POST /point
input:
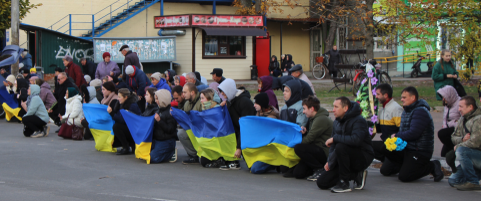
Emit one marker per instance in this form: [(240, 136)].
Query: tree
[(5, 12)]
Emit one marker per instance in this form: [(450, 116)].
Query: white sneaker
[(37, 134)]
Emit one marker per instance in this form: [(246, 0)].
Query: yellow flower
[(393, 147)]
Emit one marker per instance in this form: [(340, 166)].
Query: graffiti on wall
[(76, 54)]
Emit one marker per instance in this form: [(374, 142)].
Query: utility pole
[(15, 12)]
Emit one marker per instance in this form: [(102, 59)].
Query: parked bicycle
[(320, 70), (361, 74)]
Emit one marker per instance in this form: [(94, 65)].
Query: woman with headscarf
[(36, 119), (107, 68), (45, 93), (126, 101), (109, 92), (265, 85), (179, 80), (73, 108), (165, 131), (292, 110), (10, 84), (215, 87), (334, 59), (274, 67), (169, 76)]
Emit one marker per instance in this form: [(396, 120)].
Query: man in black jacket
[(239, 105), (59, 94), (88, 67), (350, 150), (417, 130)]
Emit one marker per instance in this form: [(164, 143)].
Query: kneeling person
[(350, 149), (312, 150)]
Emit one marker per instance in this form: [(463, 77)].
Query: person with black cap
[(217, 75), (297, 72), (24, 71), (131, 58), (261, 103)]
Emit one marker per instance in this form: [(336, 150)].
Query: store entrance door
[(316, 46)]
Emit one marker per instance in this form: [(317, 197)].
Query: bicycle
[(320, 69), (361, 74)]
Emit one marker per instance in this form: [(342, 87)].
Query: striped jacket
[(390, 119)]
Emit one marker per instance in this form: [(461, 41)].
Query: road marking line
[(131, 196)]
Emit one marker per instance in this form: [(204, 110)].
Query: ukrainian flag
[(211, 132), (9, 104), (269, 141), (141, 128), (100, 124)]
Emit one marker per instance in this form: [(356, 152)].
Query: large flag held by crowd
[(8, 102), (141, 128), (269, 141), (211, 132), (100, 124)]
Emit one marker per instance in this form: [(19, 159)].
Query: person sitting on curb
[(350, 149), (417, 130), (467, 138)]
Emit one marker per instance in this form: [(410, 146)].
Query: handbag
[(70, 131), (459, 88)]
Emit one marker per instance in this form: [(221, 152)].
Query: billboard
[(228, 20), (171, 21)]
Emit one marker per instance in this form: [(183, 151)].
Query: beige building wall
[(295, 41), (299, 10)]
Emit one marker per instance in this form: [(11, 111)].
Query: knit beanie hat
[(129, 70), (262, 99), (72, 91), (33, 70), (156, 76), (164, 97), (105, 54)]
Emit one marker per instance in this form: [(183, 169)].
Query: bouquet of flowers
[(366, 97), (395, 144)]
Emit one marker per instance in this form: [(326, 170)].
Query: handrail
[(128, 1), (57, 22)]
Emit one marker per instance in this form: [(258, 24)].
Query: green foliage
[(5, 12)]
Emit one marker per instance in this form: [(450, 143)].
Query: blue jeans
[(162, 151), (470, 168), (260, 168)]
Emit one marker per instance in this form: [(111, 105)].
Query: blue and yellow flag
[(269, 141), (100, 124), (141, 128), (211, 132), (9, 104)]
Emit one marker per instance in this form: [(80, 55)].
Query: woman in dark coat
[(165, 130), (126, 101), (334, 59)]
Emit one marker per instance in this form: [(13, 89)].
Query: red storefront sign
[(228, 20), (172, 21)]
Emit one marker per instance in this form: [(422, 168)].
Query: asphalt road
[(52, 168)]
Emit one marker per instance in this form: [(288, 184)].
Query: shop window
[(223, 46)]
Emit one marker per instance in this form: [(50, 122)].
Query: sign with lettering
[(228, 20), (172, 21)]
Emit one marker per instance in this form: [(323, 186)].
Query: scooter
[(416, 69)]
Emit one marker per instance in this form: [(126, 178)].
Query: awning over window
[(216, 31)]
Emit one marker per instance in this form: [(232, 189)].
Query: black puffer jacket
[(166, 128), (351, 130), (150, 110), (288, 63), (130, 104), (278, 82), (417, 128)]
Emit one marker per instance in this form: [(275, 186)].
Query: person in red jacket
[(74, 71)]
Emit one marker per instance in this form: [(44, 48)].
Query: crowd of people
[(332, 152)]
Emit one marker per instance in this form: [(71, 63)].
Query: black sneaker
[(191, 161), (438, 174), (123, 152), (316, 175), (341, 187), (230, 166), (360, 180), (57, 130)]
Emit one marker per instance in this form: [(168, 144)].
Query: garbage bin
[(253, 72)]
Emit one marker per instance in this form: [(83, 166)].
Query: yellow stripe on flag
[(103, 140), (9, 112), (142, 151), (216, 147), (272, 154)]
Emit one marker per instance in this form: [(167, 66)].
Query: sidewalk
[(325, 80)]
